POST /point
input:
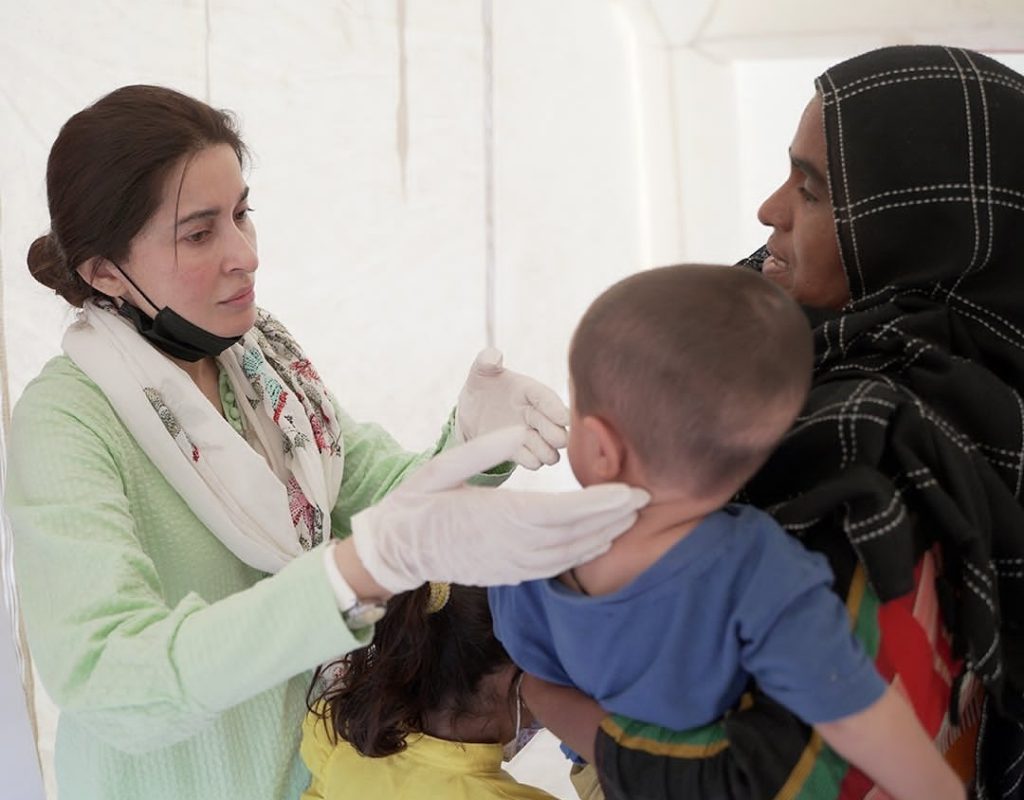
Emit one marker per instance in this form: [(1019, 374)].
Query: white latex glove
[(433, 527), (495, 397)]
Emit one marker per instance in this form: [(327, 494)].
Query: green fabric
[(180, 671), (232, 413), (656, 737), (865, 622), (825, 778)]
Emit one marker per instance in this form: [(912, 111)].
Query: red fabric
[(914, 655)]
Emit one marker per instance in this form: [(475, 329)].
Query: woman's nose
[(241, 253), (773, 211)]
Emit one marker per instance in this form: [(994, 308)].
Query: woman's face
[(197, 253), (805, 258)]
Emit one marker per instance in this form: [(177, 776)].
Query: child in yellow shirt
[(424, 711)]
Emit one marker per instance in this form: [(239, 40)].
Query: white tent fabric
[(740, 29), (430, 177)]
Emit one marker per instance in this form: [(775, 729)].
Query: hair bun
[(48, 265), (46, 262)]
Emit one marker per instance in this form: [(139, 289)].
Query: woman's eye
[(197, 237), (243, 213), (806, 195)]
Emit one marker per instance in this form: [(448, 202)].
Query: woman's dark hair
[(419, 664), (106, 171)]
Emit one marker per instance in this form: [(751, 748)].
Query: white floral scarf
[(267, 499)]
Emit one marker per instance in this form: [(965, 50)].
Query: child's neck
[(490, 718), (660, 525), (471, 729)]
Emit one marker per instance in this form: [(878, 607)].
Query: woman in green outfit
[(182, 484)]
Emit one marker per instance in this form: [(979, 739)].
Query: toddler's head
[(686, 378)]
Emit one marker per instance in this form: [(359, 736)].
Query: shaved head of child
[(699, 370)]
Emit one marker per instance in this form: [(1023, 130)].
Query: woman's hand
[(435, 528), (495, 397)]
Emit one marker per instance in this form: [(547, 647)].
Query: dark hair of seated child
[(434, 667)]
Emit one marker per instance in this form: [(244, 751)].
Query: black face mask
[(171, 333)]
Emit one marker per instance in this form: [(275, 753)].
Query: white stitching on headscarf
[(988, 159), (968, 125), (846, 185), (929, 201), (932, 188)]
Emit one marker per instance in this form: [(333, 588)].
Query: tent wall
[(740, 29), (367, 123), (430, 177)]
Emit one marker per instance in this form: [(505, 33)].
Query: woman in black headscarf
[(901, 229)]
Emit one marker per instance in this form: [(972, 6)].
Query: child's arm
[(887, 743), (566, 712)]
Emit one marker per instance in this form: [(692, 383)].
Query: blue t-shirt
[(736, 598)]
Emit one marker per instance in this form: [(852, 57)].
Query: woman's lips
[(243, 299), (774, 267)]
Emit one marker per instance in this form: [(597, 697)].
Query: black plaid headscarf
[(914, 430)]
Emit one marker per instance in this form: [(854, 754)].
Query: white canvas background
[(431, 174)]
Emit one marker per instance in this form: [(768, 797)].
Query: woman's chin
[(245, 319), (779, 273), (238, 327)]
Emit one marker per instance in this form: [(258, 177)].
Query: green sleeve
[(137, 670), (375, 464)]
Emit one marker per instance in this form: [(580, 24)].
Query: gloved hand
[(435, 528), (495, 397)]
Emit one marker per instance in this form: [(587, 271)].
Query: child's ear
[(605, 449)]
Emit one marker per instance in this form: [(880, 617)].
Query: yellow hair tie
[(439, 594)]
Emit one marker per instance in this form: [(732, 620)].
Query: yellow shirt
[(428, 769)]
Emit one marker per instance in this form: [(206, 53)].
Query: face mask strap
[(523, 735), (170, 332), (519, 704), (134, 284)]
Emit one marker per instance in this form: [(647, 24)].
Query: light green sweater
[(180, 671)]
